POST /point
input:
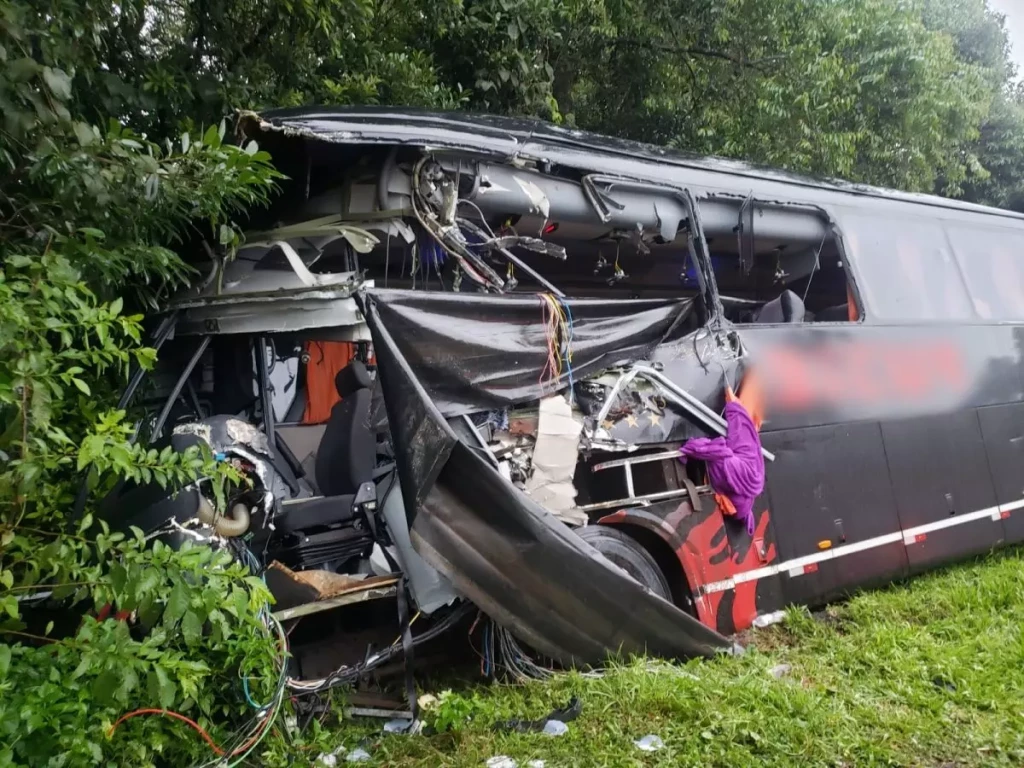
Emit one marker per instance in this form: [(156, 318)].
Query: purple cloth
[(735, 464)]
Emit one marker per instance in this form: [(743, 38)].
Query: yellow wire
[(399, 638)]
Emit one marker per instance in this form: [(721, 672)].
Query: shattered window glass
[(992, 260), (907, 268)]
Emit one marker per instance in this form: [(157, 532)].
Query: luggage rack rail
[(632, 499)]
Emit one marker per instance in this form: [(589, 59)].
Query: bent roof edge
[(350, 124)]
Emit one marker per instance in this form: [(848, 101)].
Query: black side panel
[(939, 470), (829, 489), (1002, 427)]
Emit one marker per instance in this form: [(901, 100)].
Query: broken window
[(777, 264), (990, 259), (907, 267)]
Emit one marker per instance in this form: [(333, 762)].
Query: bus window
[(906, 267), (782, 264), (992, 261)]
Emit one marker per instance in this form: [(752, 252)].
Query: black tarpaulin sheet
[(503, 551), (478, 352)]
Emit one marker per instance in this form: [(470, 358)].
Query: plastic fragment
[(649, 743), (555, 728), (780, 670), (358, 755), (402, 725), (767, 619), (500, 761), (327, 760), (535, 764)]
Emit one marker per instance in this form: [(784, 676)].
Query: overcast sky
[(1014, 12)]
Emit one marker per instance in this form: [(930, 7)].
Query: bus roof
[(511, 136)]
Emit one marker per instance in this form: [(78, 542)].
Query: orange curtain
[(326, 359)]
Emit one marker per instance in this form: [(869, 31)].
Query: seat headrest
[(785, 308), (351, 378)]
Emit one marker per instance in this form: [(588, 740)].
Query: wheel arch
[(661, 550)]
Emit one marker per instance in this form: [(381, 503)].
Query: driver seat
[(345, 459)]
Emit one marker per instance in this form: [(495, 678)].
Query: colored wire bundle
[(246, 738), (349, 674), (558, 330)]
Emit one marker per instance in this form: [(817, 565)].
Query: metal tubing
[(687, 401), (179, 385)]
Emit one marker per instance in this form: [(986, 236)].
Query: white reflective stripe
[(909, 536), (912, 533), (760, 573), (860, 546), (718, 586), (817, 557)]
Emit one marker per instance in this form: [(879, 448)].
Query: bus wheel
[(629, 555)]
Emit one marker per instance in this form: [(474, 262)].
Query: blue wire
[(568, 346), (248, 696)]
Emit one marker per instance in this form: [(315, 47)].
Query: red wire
[(206, 737)]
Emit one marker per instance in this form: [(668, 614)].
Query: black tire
[(627, 553)]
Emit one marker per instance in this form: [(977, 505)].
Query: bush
[(86, 217)]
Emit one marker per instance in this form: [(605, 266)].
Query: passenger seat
[(786, 308)]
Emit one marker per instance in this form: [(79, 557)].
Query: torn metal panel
[(509, 138), (496, 545), (669, 391)]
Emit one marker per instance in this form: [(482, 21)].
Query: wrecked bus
[(548, 316)]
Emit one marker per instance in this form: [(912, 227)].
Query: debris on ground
[(500, 761), (403, 725), (649, 743), (566, 714), (357, 755), (780, 670), (768, 619), (555, 728)]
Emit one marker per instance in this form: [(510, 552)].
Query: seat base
[(317, 512)]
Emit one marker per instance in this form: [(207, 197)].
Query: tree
[(869, 90), (996, 157), (86, 215)]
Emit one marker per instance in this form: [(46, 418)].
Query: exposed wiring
[(817, 265), (558, 330), (411, 622), (347, 675), (430, 228), (255, 729), (175, 715), (480, 213)]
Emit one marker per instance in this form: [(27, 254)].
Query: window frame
[(849, 267)]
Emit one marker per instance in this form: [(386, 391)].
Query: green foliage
[(196, 630), (86, 218), (453, 711), (906, 94)]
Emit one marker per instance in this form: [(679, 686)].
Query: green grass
[(927, 674)]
